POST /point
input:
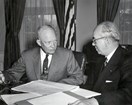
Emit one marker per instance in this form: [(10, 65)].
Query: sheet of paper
[(85, 93), (58, 85), (53, 93), (63, 98), (53, 99), (44, 87), (10, 99)]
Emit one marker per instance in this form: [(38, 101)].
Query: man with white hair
[(47, 62), (114, 79)]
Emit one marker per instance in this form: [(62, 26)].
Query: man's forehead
[(97, 31), (45, 29)]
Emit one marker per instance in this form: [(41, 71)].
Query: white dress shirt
[(43, 55), (110, 55)]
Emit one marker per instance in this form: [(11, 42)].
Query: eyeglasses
[(95, 40)]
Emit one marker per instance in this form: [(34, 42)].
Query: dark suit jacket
[(63, 68), (115, 81)]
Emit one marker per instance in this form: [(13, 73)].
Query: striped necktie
[(106, 61), (45, 68)]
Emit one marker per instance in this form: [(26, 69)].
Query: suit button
[(110, 70)]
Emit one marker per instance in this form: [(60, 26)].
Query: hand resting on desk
[(5, 87)]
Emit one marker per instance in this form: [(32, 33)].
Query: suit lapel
[(53, 65), (111, 67), (37, 63)]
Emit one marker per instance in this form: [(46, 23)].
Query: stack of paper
[(42, 87), (10, 99), (62, 98), (53, 99), (41, 92)]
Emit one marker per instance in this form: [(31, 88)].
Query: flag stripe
[(70, 34), (69, 40)]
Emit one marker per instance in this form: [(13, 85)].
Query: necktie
[(104, 64), (45, 68)]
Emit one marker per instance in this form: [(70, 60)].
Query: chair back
[(81, 59)]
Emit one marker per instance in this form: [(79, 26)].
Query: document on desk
[(52, 93), (53, 99), (62, 98), (42, 87), (10, 99)]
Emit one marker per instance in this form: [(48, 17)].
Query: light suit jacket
[(63, 68)]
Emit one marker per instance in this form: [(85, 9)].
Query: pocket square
[(108, 81)]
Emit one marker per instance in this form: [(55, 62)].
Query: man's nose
[(52, 44), (93, 44)]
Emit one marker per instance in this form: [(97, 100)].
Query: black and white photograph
[(65, 52)]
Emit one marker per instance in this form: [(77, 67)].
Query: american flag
[(70, 25)]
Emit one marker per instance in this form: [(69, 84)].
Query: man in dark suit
[(61, 67), (114, 79)]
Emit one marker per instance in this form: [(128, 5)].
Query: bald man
[(62, 66)]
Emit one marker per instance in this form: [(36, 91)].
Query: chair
[(81, 59), (94, 61)]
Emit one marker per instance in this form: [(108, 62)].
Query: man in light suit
[(62, 66), (114, 81)]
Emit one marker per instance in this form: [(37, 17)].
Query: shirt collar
[(110, 55)]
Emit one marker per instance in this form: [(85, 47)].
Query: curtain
[(59, 7), (14, 10), (106, 10)]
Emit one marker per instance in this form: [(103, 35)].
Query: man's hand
[(91, 101), (2, 78)]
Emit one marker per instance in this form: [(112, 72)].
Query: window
[(37, 13), (124, 20)]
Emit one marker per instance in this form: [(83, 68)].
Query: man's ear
[(38, 42), (108, 42)]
